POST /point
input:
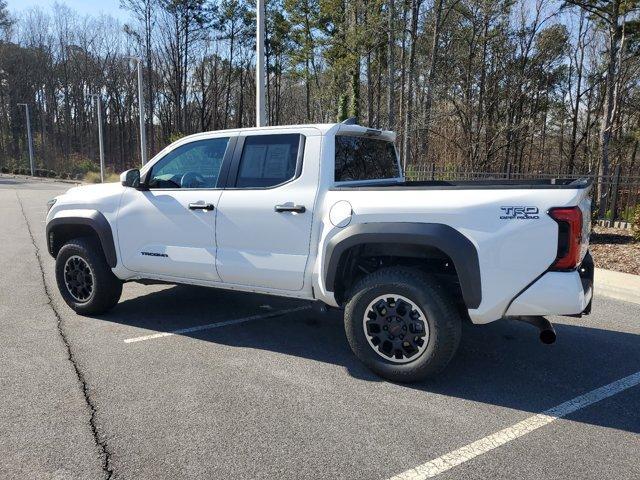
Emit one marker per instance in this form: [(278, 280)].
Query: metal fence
[(620, 193)]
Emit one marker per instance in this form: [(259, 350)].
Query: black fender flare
[(88, 218), (459, 248)]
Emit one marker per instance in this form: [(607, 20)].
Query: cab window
[(365, 158), (192, 165), (268, 160)]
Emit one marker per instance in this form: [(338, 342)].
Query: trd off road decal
[(519, 213)]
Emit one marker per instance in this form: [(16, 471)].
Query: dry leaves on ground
[(615, 249)]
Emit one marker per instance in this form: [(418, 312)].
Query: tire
[(90, 287), (376, 296)]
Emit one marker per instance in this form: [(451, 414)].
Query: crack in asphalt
[(105, 454)]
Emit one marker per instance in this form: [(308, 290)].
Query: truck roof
[(323, 128)]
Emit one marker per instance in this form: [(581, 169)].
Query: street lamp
[(100, 140), (143, 135), (261, 117), (30, 140)]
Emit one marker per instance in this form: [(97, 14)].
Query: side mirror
[(130, 178)]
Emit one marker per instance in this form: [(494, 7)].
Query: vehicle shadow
[(502, 364)]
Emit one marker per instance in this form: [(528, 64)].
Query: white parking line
[(486, 444), (216, 325)]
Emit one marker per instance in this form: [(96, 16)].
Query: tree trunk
[(406, 152), (230, 67), (435, 41), (148, 48), (403, 72), (615, 34), (391, 66), (576, 105), (369, 92)]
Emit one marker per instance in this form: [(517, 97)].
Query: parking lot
[(189, 382)]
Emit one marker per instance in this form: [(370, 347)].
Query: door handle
[(290, 207), (201, 206)]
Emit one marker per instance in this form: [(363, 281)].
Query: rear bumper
[(557, 293)]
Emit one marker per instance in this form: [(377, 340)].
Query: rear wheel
[(402, 324), (84, 278)]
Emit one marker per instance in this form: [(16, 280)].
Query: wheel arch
[(82, 223), (409, 240)]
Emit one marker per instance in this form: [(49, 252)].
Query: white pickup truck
[(324, 213)]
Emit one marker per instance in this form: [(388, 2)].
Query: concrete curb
[(42, 179), (621, 286)]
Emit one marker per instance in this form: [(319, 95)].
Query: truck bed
[(513, 250)]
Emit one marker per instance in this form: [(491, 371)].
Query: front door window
[(193, 165)]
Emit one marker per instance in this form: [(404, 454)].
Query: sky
[(83, 7)]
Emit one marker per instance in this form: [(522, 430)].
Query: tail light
[(569, 237)]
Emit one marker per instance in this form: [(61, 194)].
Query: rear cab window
[(364, 158)]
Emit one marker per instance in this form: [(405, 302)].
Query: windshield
[(364, 158)]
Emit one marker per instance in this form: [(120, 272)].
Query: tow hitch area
[(544, 326)]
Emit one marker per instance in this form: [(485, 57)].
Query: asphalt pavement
[(189, 382)]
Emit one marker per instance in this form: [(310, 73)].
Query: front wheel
[(402, 324), (84, 278)]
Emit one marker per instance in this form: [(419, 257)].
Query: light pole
[(143, 135), (30, 140), (100, 140), (261, 117)]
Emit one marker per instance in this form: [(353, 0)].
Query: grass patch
[(94, 177)]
